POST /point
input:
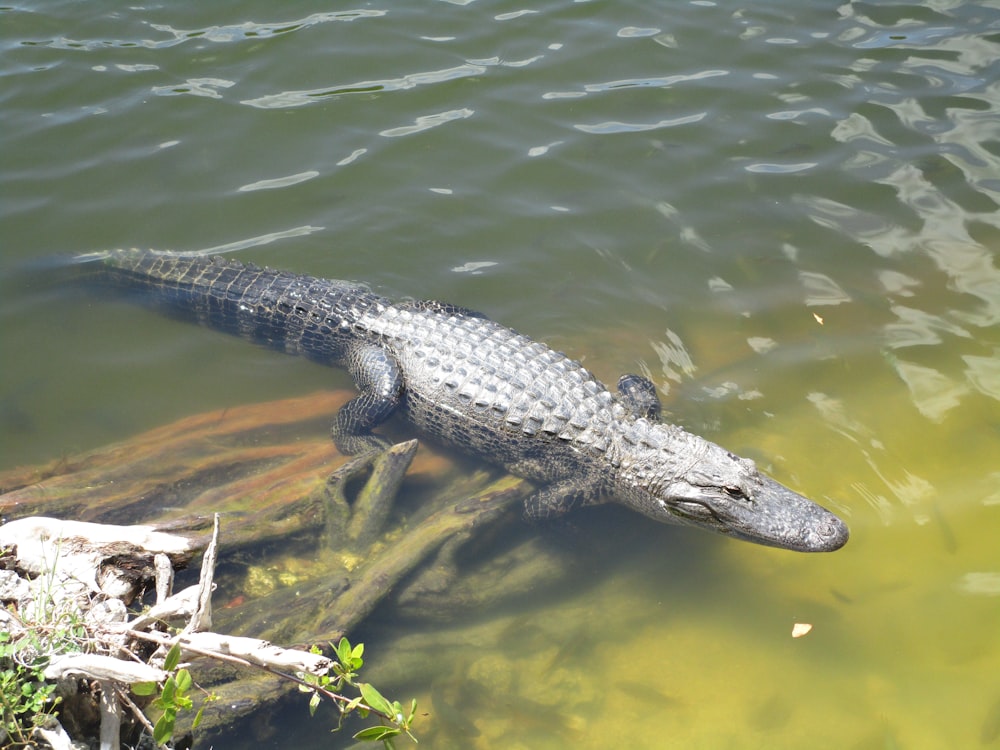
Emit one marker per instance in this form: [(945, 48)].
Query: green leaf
[(173, 658), (144, 688), (344, 650), (169, 691), (164, 728), (183, 680), (375, 699), (313, 704), (197, 718), (376, 734)]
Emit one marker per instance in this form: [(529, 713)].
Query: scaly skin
[(473, 384)]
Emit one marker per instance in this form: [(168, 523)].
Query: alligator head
[(675, 477)]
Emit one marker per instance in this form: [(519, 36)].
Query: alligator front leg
[(380, 381)]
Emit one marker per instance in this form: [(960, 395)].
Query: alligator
[(468, 382)]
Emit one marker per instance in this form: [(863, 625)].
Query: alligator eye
[(736, 493)]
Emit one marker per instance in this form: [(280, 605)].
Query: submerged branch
[(177, 480)]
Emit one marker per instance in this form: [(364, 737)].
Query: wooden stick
[(202, 617)]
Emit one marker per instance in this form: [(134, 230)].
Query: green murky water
[(785, 212)]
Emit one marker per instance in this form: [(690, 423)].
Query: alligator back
[(481, 386)]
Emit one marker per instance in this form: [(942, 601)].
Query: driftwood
[(67, 558), (102, 668), (82, 558), (84, 573), (272, 487)]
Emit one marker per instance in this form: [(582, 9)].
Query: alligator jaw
[(778, 517)]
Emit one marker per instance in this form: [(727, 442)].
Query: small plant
[(25, 697), (369, 700), (173, 698), (58, 625)]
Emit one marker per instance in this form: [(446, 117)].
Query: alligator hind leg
[(639, 395), (556, 500), (378, 378)]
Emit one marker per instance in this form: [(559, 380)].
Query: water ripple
[(822, 290), (984, 373), (288, 99), (656, 82), (635, 31), (635, 83), (256, 31), (931, 391), (918, 328), (985, 583), (260, 240), (279, 182), (939, 96), (426, 122), (207, 87), (248, 30), (615, 126), (772, 168), (909, 489)]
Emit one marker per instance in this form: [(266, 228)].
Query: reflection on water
[(785, 214)]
